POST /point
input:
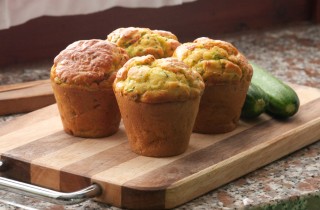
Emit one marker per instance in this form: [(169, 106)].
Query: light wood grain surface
[(39, 152)]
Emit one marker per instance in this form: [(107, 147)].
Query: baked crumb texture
[(82, 76), (144, 41), (217, 61), (227, 75), (89, 64), (150, 80)]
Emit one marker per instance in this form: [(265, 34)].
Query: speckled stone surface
[(292, 53)]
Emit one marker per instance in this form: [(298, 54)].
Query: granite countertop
[(292, 53)]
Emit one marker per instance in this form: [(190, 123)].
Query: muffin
[(227, 75), (158, 101), (82, 76), (144, 41)]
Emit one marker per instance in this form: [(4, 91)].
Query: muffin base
[(158, 129), (220, 108), (87, 113)]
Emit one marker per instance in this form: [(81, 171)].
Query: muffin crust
[(81, 79), (217, 61), (150, 80), (143, 41), (89, 64)]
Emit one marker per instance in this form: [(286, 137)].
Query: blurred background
[(32, 30)]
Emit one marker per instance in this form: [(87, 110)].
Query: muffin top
[(144, 41), (150, 80), (218, 62), (90, 64)]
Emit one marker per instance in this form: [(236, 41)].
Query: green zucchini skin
[(283, 100), (255, 103)]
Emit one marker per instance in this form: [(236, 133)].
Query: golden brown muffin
[(144, 41), (158, 101), (82, 76), (227, 75)]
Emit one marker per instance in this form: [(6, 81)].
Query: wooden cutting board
[(38, 151)]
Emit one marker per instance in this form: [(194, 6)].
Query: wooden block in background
[(25, 97)]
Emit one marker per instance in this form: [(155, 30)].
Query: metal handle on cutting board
[(49, 195)]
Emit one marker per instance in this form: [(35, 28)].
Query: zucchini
[(255, 103), (283, 100)]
